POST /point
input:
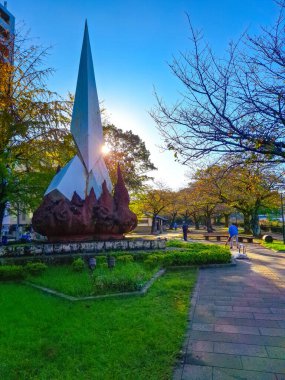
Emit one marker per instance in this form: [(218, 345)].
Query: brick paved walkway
[(237, 322)]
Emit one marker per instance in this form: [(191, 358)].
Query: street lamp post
[(283, 225)]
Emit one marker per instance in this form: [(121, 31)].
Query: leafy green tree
[(203, 201), (130, 152), (250, 189), (173, 207), (153, 201), (246, 188), (189, 206), (33, 125)]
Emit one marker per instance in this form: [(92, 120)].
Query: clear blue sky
[(132, 41)]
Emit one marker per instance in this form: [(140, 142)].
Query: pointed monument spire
[(86, 126), (87, 170)]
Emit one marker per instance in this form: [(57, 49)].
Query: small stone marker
[(241, 255)]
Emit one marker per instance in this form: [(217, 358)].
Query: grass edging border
[(233, 263), (141, 292), (276, 250), (282, 252)]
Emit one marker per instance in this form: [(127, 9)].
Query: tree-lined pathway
[(237, 321)]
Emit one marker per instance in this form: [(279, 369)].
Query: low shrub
[(127, 278), (125, 259), (141, 256), (78, 265), (12, 272), (101, 260), (154, 260), (186, 257), (35, 268), (138, 256), (177, 243)]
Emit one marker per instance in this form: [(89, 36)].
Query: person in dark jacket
[(185, 230)]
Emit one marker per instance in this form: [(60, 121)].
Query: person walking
[(185, 230), (233, 235)]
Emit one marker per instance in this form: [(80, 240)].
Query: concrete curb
[(233, 263), (179, 365)]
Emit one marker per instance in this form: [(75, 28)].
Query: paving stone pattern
[(237, 322)]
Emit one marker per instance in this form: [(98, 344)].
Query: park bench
[(220, 237), (249, 239)]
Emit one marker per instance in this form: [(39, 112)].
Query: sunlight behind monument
[(78, 204)]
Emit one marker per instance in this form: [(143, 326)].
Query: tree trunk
[(153, 226), (227, 219), (173, 217), (217, 219), (247, 229), (255, 224), (196, 222), (209, 223), (186, 216)]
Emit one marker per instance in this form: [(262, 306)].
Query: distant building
[(15, 224), (145, 224), (7, 32)]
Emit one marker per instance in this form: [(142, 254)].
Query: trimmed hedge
[(12, 272), (186, 257), (125, 259), (18, 272), (178, 243), (35, 268)]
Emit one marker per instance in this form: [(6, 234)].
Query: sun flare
[(105, 149)]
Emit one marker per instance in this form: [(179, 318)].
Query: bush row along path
[(237, 321)]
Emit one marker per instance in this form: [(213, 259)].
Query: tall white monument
[(87, 169), (78, 204)]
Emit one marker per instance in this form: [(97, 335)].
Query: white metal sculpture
[(87, 169)]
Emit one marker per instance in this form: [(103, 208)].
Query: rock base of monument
[(84, 238), (106, 218)]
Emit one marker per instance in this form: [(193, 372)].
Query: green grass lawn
[(277, 245), (125, 277), (43, 337), (128, 276)]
